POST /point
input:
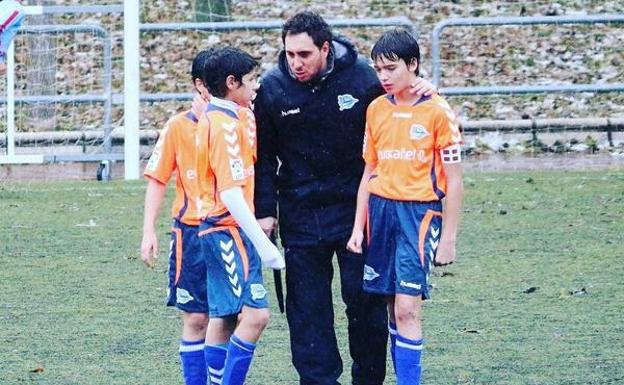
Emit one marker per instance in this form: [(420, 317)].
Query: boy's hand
[(354, 244), (445, 254), (423, 87), (149, 248), (271, 257)]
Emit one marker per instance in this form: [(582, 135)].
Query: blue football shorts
[(403, 237), (235, 271), (187, 270)]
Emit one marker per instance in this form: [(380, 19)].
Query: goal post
[(132, 84)]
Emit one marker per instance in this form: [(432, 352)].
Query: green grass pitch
[(537, 297)]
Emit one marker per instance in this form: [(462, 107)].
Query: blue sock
[(238, 360), (193, 362), (215, 360), (392, 330), (408, 360)]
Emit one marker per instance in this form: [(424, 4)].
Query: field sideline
[(536, 298)]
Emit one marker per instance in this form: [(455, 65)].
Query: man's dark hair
[(223, 62), (197, 68), (311, 23), (397, 44)]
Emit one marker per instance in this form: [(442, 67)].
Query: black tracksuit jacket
[(314, 133)]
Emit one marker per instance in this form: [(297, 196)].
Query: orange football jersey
[(175, 152), (225, 157), (403, 143)]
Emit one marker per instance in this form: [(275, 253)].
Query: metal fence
[(520, 89), (529, 125), (108, 98), (105, 97)]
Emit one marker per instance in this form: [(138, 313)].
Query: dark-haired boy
[(175, 153), (413, 160), (226, 156)]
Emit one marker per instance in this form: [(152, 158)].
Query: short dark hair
[(223, 62), (397, 44), (197, 68), (311, 23)]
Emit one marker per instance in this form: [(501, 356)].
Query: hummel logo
[(237, 291), (231, 138), (226, 246), (228, 257), (402, 115), (434, 244), (234, 280), (233, 150), (410, 285), (215, 371), (230, 268), (229, 126), (171, 248), (435, 232), (291, 112)]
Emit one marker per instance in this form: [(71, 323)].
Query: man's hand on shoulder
[(423, 87)]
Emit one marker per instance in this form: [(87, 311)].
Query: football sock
[(239, 355), (193, 362), (215, 360), (408, 354), (392, 330)]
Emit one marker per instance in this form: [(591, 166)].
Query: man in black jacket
[(310, 113)]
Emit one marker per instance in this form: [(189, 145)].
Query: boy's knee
[(196, 322), (258, 319), (406, 313)]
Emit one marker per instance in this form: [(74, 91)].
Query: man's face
[(394, 76), (306, 60)]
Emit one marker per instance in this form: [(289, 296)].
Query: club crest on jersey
[(237, 169), (346, 101), (418, 132)]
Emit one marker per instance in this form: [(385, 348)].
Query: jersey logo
[(183, 296), (346, 101), (227, 255), (237, 169), (191, 174), (294, 111), (369, 273), (402, 115), (257, 291), (418, 132), (411, 285)]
